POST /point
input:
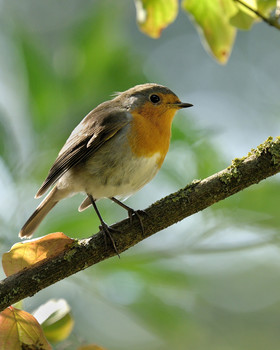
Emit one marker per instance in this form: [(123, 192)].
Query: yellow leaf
[(20, 330), (23, 255), (155, 15)]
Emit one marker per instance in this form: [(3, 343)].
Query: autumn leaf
[(25, 254), (20, 330)]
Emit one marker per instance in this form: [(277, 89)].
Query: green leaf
[(155, 15), (56, 319), (242, 21), (245, 18), (212, 17), (265, 7)]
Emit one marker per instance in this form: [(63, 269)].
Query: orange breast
[(151, 131)]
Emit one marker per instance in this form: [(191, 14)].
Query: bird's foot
[(104, 227), (139, 215), (107, 234)]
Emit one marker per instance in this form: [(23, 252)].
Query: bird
[(112, 153)]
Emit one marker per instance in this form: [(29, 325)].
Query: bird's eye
[(154, 98)]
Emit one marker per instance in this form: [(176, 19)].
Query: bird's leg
[(104, 227), (138, 213)]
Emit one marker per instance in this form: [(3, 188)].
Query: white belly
[(126, 180), (120, 180)]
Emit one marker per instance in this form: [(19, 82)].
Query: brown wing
[(85, 139)]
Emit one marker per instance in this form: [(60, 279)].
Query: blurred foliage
[(217, 20), (208, 282)]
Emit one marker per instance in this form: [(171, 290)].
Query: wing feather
[(84, 141)]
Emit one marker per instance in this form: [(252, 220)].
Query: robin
[(112, 153)]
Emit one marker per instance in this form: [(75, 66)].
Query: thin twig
[(273, 21)]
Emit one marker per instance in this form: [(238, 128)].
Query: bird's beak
[(182, 105)]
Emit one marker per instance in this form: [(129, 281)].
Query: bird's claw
[(139, 214), (107, 234)]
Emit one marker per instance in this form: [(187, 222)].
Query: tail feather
[(85, 204), (41, 211)]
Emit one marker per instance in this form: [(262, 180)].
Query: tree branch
[(259, 164)]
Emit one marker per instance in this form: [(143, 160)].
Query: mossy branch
[(260, 163)]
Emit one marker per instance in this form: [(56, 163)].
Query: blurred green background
[(209, 282)]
